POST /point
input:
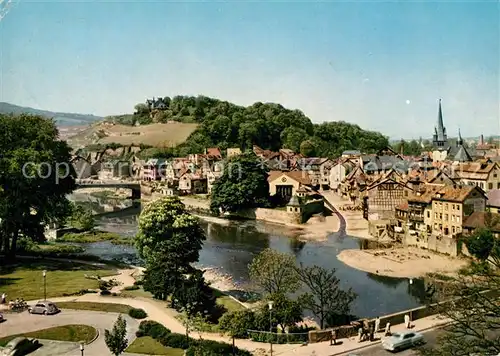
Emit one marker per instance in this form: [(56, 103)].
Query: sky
[(381, 65)]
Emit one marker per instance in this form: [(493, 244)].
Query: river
[(231, 246)]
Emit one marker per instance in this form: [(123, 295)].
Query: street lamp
[(44, 273), (411, 282), (82, 347), (270, 304)]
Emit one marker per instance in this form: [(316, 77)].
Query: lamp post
[(270, 304), (44, 273), (411, 282), (82, 347)]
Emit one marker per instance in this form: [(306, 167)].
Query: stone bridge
[(134, 186)]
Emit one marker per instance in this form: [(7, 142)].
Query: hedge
[(137, 313)]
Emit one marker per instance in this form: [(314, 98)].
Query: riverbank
[(401, 262)]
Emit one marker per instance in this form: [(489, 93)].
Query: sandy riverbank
[(401, 262)]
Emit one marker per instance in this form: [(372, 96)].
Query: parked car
[(44, 307), (20, 346), (404, 340)]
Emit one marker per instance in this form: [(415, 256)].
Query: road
[(430, 338), (17, 323)]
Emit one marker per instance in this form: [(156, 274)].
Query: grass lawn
[(95, 236), (105, 307), (149, 346), (227, 302), (25, 279), (72, 333), (230, 304), (136, 293)]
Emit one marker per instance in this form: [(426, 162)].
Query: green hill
[(268, 125)]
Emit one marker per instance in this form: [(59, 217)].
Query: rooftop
[(493, 198), (480, 219)]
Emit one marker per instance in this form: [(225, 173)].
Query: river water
[(231, 246)]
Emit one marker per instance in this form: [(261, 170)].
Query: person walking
[(407, 321), (333, 340), (3, 298), (377, 324)]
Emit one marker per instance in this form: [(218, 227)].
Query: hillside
[(61, 118), (191, 124), (156, 135)]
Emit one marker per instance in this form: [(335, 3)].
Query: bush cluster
[(137, 313), (169, 339)]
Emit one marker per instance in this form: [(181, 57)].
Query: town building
[(480, 173), (493, 202), (339, 171), (287, 184), (154, 169), (451, 205), (482, 220)]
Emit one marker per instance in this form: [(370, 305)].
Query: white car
[(404, 340)]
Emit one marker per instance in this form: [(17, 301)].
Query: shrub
[(175, 340), (134, 287), (151, 328), (105, 292), (209, 347), (238, 323), (139, 282), (137, 313)]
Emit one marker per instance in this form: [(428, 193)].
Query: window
[(446, 206), (435, 215), (453, 207), (446, 231), (446, 216), (490, 185), (494, 175), (440, 216), (408, 336), (458, 207), (482, 185), (435, 226), (453, 229), (428, 214)]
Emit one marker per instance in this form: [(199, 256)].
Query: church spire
[(460, 142), (441, 131)]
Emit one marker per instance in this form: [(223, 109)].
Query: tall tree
[(82, 218), (116, 339), (472, 304), (326, 299), (243, 185), (35, 176), (274, 272), (169, 240)]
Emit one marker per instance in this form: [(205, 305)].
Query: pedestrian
[(360, 334), (377, 324), (388, 329), (3, 298), (407, 321), (333, 340), (371, 333)]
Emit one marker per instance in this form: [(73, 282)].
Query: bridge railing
[(105, 182)]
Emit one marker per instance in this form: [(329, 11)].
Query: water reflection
[(231, 247)]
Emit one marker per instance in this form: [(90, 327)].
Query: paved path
[(18, 323)]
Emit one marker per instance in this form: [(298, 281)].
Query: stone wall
[(443, 244), (272, 215)]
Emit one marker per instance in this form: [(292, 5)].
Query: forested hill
[(269, 125)]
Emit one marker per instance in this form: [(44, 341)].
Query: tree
[(471, 302), (169, 240), (307, 148), (141, 109), (480, 244), (116, 339), (165, 226), (274, 272), (291, 138), (194, 292), (82, 218), (243, 185), (286, 312), (326, 299), (35, 176), (238, 323)]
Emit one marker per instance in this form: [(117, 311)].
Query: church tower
[(440, 139)]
